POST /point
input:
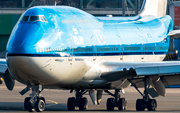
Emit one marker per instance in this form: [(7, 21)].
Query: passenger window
[(34, 18), (25, 18)]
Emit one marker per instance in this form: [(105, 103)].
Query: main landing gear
[(121, 103), (78, 101), (146, 102), (35, 101)]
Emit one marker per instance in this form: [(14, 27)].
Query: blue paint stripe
[(90, 54)]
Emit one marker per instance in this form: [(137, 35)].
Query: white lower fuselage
[(68, 72)]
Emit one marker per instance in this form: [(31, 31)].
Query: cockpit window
[(34, 18), (25, 18), (43, 18)]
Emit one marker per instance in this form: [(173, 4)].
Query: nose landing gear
[(35, 102)]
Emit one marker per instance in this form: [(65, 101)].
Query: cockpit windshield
[(34, 18), (25, 18)]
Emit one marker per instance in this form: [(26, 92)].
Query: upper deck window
[(34, 18)]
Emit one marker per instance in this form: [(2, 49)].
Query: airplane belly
[(45, 70)]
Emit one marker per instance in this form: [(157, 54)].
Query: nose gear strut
[(35, 101)]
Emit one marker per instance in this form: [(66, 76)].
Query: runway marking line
[(55, 103)]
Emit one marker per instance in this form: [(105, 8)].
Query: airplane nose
[(22, 39), (18, 47)]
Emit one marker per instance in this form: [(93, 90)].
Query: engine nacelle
[(9, 81), (158, 85)]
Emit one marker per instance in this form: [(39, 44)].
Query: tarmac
[(56, 100)]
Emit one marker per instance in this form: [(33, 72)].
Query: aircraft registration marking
[(79, 59)]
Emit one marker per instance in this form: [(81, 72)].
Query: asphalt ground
[(56, 100)]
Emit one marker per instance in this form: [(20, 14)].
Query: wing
[(3, 65), (9, 81), (135, 69), (168, 71), (160, 73), (174, 34), (3, 68)]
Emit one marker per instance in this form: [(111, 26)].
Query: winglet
[(153, 8)]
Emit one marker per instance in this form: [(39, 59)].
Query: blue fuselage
[(69, 31)]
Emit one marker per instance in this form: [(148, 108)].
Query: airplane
[(62, 47)]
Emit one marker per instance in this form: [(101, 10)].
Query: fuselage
[(60, 45)]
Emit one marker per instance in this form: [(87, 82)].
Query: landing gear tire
[(152, 105), (121, 104), (42, 98), (140, 105), (83, 103), (26, 100), (39, 105), (109, 104), (71, 103), (27, 105)]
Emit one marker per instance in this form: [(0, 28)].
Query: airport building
[(11, 10), (95, 7)]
